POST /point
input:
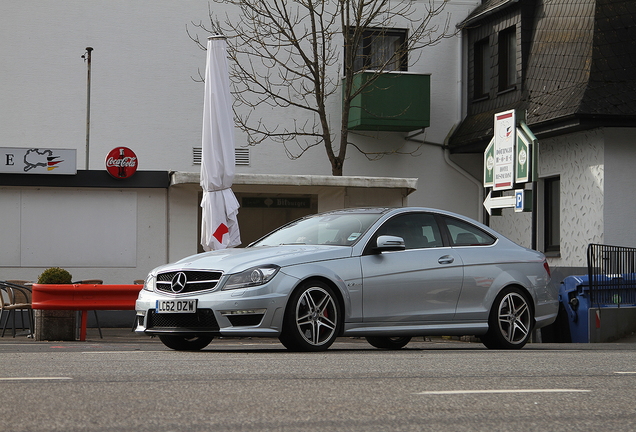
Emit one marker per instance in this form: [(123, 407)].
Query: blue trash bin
[(574, 295)]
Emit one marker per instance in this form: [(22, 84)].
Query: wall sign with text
[(505, 137), (14, 160), (276, 202)]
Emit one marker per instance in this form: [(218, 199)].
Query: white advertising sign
[(505, 136), (15, 160)]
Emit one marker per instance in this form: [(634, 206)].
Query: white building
[(144, 96)]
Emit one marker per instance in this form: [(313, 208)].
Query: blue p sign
[(519, 200)]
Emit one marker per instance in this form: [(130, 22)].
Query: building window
[(482, 69), (552, 214), (381, 49), (507, 59)]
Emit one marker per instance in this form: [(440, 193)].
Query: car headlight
[(251, 277), (149, 283)]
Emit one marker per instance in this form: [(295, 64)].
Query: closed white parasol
[(219, 226)]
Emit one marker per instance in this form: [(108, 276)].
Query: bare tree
[(288, 55)]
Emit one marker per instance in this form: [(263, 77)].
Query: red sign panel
[(121, 162)]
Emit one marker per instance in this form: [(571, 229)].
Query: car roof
[(398, 210)]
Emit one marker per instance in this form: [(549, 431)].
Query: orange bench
[(84, 297)]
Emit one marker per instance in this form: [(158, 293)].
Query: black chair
[(15, 297)]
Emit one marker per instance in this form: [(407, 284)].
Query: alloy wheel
[(514, 317), (316, 316)]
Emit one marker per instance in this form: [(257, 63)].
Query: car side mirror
[(387, 243)]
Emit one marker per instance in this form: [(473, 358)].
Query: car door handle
[(446, 259)]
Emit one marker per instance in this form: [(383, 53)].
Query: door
[(420, 283)]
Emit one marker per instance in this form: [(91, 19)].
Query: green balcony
[(396, 101)]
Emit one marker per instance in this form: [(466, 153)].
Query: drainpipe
[(477, 182), (444, 146), (460, 104), (450, 163)]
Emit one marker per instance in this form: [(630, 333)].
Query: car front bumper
[(256, 311)]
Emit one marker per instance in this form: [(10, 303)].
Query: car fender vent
[(245, 320)]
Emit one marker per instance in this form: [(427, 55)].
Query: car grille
[(202, 320), (195, 281)]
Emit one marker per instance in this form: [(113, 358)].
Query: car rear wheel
[(312, 318), (510, 321), (392, 343), (186, 343)]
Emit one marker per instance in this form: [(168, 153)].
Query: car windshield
[(339, 229)]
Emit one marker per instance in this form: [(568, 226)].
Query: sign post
[(510, 159)]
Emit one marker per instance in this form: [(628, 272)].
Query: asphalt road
[(133, 383)]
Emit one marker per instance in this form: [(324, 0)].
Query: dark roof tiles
[(581, 62)]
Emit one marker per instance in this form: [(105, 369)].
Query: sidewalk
[(125, 335), (115, 335)]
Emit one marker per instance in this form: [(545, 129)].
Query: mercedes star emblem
[(178, 282)]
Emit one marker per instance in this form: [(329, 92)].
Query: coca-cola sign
[(121, 162)]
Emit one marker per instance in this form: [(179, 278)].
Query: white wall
[(114, 235), (578, 159), (143, 95), (620, 176), (183, 223)]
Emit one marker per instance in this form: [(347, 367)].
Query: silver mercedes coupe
[(384, 274)]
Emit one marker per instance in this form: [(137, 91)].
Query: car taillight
[(546, 266)]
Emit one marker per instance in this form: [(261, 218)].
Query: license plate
[(176, 306)]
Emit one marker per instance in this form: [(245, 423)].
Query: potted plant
[(54, 324), (55, 275)]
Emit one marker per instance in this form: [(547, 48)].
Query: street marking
[(625, 373), (34, 378), (454, 392), (119, 352)]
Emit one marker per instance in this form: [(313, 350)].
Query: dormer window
[(482, 69), (507, 59)]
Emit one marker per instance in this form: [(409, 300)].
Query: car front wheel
[(185, 343), (510, 321), (312, 319), (393, 343)]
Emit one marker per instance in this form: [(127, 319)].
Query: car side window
[(419, 230), (465, 234)]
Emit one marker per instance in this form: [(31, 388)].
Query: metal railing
[(612, 275)]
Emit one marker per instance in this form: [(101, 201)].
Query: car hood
[(236, 260)]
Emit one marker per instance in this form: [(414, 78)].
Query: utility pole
[(87, 58)]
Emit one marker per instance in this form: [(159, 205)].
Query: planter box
[(54, 325)]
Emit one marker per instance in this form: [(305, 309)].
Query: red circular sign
[(121, 162)]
